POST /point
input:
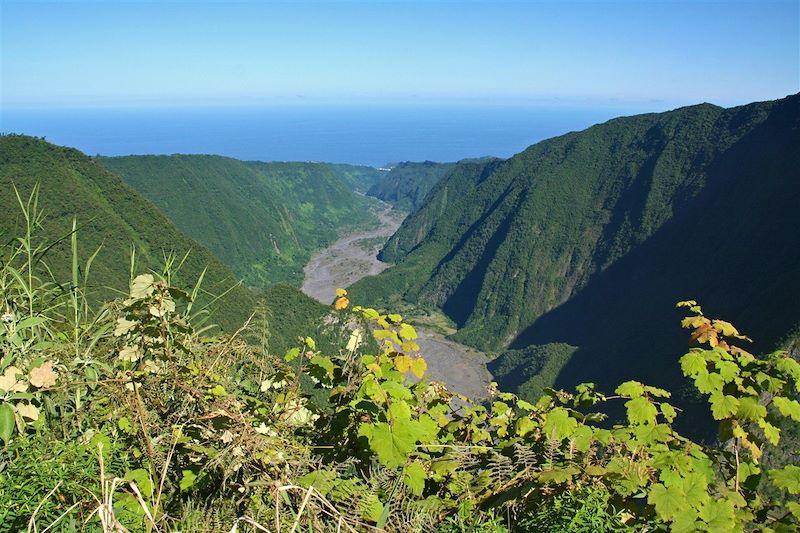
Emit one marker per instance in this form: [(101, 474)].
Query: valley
[(348, 260)]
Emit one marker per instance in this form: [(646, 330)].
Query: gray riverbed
[(353, 257)]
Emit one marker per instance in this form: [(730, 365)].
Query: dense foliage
[(264, 220), (357, 178), (604, 228), (127, 417), (114, 221), (407, 184)]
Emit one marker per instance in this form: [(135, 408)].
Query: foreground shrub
[(130, 418)]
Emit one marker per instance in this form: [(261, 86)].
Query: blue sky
[(101, 54)]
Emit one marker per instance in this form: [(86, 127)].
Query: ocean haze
[(358, 134)]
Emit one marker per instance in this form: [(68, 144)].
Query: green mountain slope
[(407, 184), (110, 215), (357, 178), (574, 240), (262, 219)]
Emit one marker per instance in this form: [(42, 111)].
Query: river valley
[(353, 257)]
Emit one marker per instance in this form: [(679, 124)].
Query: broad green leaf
[(723, 406), (6, 422), (407, 332), (418, 367), (787, 407), (188, 478), (750, 409), (693, 364), (772, 434), (399, 410), (414, 478), (391, 444), (641, 411), (728, 370), (325, 363), (523, 426), (559, 424), (397, 390), (668, 411), (557, 475), (787, 478), (718, 515), (142, 286), (787, 365), (668, 501), (709, 382), (632, 389), (695, 487), (322, 480)]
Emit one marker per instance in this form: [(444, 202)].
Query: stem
[(736, 454)]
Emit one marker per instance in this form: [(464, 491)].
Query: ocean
[(357, 134)]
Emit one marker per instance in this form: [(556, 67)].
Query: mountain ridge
[(501, 245)]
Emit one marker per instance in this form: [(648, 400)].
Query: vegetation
[(128, 416), (264, 220), (357, 178), (406, 184), (117, 225), (603, 228)]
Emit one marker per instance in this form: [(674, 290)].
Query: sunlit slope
[(575, 239), (110, 215), (262, 219)]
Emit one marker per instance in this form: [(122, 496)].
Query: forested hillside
[(262, 219), (357, 178), (111, 217), (407, 184), (573, 241)]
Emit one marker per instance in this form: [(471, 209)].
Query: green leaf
[(391, 444), (668, 411), (632, 389), (407, 332), (6, 422), (397, 390), (325, 363), (771, 433), (322, 480), (787, 478), (728, 370), (524, 426), (414, 478), (787, 407), (557, 475), (709, 383), (187, 480), (750, 409), (142, 286), (693, 364), (291, 354), (695, 487), (141, 477), (559, 424), (668, 501), (723, 406), (719, 515), (641, 411)]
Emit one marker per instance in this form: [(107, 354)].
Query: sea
[(375, 135)]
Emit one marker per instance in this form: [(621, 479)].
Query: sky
[(148, 54)]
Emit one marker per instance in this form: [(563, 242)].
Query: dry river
[(354, 256)]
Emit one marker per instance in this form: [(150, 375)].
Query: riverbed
[(353, 257)]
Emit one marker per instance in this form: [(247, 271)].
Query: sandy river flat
[(347, 260)]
